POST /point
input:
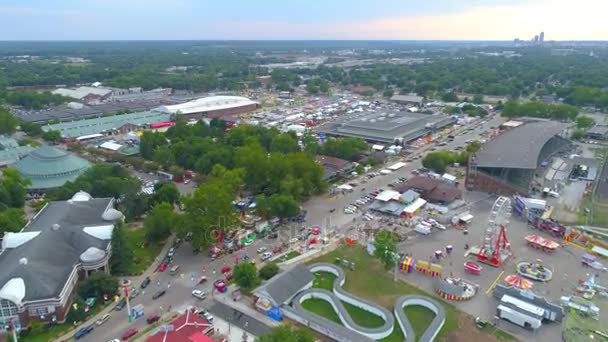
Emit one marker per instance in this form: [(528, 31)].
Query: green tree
[(164, 157), (135, 205), (385, 245), (148, 143), (360, 169), (12, 189), (11, 220), (77, 313), (51, 136), (31, 128), (583, 122), (283, 206), (345, 148), (269, 271), (449, 97), (478, 98), (165, 192), (159, 223), (438, 161), (287, 333), (8, 123), (284, 143), (578, 134), (122, 251), (246, 276), (98, 284), (388, 93)]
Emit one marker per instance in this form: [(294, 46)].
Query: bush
[(268, 271)]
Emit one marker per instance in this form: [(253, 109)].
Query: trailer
[(422, 229), (518, 318)]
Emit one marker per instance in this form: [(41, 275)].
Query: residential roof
[(285, 285), (336, 163), (48, 167), (78, 128), (407, 98), (387, 195), (45, 252), (520, 147), (207, 104), (431, 189), (598, 130), (409, 196), (386, 127)]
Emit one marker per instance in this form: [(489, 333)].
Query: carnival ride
[(588, 288), (518, 281), (495, 248), (535, 271), (472, 268), (590, 260), (541, 243)]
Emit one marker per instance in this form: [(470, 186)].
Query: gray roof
[(287, 284), (598, 130), (74, 129), (386, 127), (48, 167), (12, 155), (52, 255), (407, 98), (520, 147)]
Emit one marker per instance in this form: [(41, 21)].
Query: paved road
[(179, 296), (239, 318)]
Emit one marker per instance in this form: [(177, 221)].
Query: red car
[(226, 269), (129, 333), (277, 250), (162, 267), (152, 319)]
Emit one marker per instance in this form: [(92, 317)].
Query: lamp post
[(126, 289)]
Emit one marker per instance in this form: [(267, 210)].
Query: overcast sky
[(302, 19)]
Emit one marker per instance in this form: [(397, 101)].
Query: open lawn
[(371, 281), (144, 255)]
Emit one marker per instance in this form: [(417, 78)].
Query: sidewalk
[(135, 280)]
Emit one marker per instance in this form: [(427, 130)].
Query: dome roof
[(13, 290), (111, 215), (49, 167), (81, 196), (92, 254)]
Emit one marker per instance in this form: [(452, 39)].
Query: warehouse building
[(42, 264), (214, 107), (387, 127), (508, 163)]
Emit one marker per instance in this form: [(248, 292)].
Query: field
[(144, 254), (371, 281)]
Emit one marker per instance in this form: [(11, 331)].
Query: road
[(178, 295)]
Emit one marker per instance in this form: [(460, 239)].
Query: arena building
[(214, 107), (387, 127), (508, 163)]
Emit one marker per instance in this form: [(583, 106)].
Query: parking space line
[(495, 281)]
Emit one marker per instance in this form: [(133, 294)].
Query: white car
[(206, 315), (262, 250), (267, 255), (346, 211), (293, 240), (199, 294), (103, 319), (171, 252)]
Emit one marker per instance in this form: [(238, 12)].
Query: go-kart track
[(338, 295)]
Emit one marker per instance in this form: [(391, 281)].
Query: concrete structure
[(211, 107), (507, 163), (108, 125), (42, 264), (48, 167), (387, 127)]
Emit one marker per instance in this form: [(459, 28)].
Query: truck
[(422, 229), (165, 175), (518, 318)]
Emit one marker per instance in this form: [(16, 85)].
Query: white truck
[(422, 229), (519, 318)]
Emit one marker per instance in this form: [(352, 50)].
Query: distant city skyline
[(302, 20)]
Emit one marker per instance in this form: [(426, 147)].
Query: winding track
[(338, 295)]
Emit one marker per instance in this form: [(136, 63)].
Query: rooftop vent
[(55, 227), (23, 261)]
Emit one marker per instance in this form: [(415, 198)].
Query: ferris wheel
[(495, 245)]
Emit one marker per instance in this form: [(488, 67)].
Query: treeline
[(12, 200), (584, 96), (539, 110), (439, 161), (30, 99)]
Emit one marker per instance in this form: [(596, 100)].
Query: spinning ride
[(495, 248), (535, 271)]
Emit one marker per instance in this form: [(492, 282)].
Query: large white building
[(211, 107)]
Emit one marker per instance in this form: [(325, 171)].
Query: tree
[(578, 134), (31, 128), (583, 122), (8, 123), (164, 157), (438, 161), (385, 245), (77, 313), (165, 192), (287, 333), (449, 97), (12, 189), (268, 271), (283, 206), (159, 223), (388, 93), (51, 136), (122, 251), (148, 143), (246, 275), (345, 148), (135, 205), (11, 220), (478, 98), (97, 285), (359, 169)]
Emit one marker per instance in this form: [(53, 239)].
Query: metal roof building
[(387, 127), (208, 104), (48, 167)]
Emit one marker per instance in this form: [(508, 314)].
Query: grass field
[(371, 281), (144, 256)]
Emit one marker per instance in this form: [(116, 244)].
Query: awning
[(396, 166), (378, 147), (414, 206)]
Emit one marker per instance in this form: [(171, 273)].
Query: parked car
[(205, 314), (199, 294), (129, 333), (171, 252), (162, 267), (152, 319), (293, 240), (261, 250), (83, 331), (103, 319), (159, 294), (121, 304), (145, 283), (266, 256), (277, 250)]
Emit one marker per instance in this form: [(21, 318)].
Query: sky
[(302, 19)]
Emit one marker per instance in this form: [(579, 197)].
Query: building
[(42, 264), (387, 127), (541, 38), (189, 327), (431, 189), (598, 132), (264, 80), (48, 167), (108, 125), (363, 90), (86, 94), (334, 168), (283, 287), (211, 107), (11, 152), (412, 99), (508, 163)]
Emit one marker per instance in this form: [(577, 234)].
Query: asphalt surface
[(178, 295)]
